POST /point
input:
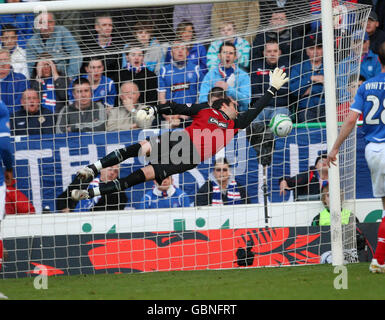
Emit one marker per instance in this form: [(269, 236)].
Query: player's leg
[(157, 172), (378, 263), (115, 157), (138, 176), (162, 166), (375, 157), (144, 147)]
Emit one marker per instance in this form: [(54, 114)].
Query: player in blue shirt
[(6, 162), (6, 155), (370, 102), (179, 79), (164, 195)]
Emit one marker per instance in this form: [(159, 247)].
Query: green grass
[(303, 282)]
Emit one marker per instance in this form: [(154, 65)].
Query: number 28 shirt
[(370, 102)]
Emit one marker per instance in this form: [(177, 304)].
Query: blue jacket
[(173, 198), (240, 91), (6, 152), (30, 124), (370, 67), (12, 87), (62, 46), (300, 75)]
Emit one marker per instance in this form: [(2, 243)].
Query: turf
[(303, 282)]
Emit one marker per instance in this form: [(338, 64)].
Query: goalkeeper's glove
[(278, 78), (145, 114)]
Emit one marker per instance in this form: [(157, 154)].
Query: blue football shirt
[(6, 152), (370, 101), (179, 83)]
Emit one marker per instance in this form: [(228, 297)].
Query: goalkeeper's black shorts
[(172, 152)]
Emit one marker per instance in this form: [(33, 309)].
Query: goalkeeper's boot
[(85, 174), (375, 267), (78, 194)]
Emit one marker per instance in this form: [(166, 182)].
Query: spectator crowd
[(58, 79)]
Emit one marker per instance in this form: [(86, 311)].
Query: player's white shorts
[(3, 190), (375, 157)]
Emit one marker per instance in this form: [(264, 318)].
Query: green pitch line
[(301, 282), (310, 125)]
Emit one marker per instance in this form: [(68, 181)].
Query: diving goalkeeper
[(174, 152)]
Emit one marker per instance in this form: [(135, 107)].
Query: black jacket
[(260, 81), (306, 185), (290, 43), (376, 39), (147, 82), (43, 122), (111, 57)]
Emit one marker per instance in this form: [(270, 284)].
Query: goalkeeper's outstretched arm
[(278, 79), (170, 108)]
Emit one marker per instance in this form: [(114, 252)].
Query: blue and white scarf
[(232, 193), (48, 97)]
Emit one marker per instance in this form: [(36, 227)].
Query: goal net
[(73, 81)]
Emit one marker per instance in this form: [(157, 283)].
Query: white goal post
[(261, 226), (331, 129)]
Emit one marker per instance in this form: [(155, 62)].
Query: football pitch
[(302, 282)]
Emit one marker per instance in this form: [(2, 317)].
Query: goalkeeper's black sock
[(133, 179), (118, 184), (120, 155)]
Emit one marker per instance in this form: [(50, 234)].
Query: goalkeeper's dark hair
[(216, 93), (381, 54), (217, 104)]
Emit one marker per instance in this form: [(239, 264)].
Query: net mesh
[(147, 46)]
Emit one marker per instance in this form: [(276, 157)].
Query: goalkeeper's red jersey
[(210, 131)]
